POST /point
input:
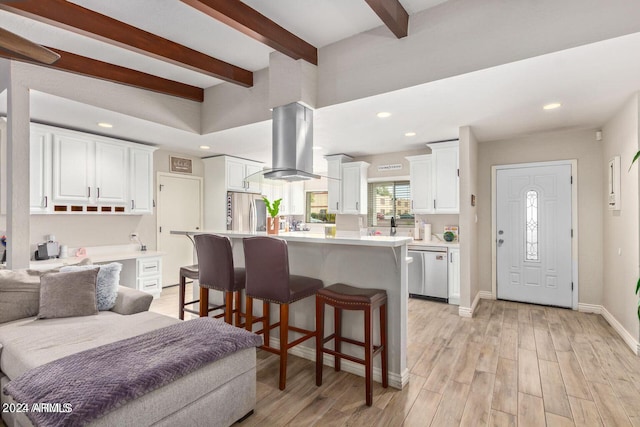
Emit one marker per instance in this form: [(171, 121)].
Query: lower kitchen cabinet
[(454, 276), (143, 274)]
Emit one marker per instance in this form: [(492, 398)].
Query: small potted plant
[(273, 222)]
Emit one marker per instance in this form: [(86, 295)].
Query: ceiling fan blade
[(16, 44)]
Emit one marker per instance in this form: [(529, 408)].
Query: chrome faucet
[(393, 226)]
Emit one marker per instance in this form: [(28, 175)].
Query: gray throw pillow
[(106, 285), (20, 292), (68, 294)]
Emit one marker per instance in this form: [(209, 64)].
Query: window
[(532, 226), (389, 199), (317, 207)]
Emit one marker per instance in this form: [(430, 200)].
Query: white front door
[(533, 241), (179, 208)]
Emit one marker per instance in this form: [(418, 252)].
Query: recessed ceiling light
[(552, 106), (410, 134), (383, 114), (105, 125), (205, 147), (315, 147)]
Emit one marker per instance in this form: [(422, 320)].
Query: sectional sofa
[(218, 394)]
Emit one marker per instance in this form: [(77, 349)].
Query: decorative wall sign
[(393, 167), (180, 165)]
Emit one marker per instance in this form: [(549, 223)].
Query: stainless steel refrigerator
[(246, 212)]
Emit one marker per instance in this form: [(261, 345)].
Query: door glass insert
[(531, 226)]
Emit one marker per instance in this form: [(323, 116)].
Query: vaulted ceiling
[(199, 43), (186, 48)]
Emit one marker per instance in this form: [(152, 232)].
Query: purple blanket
[(97, 381)]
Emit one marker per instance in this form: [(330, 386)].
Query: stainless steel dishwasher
[(428, 273)]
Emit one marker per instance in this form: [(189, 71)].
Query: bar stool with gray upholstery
[(186, 272), (267, 267), (345, 297), (216, 271)]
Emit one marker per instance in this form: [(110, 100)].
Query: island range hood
[(292, 144)]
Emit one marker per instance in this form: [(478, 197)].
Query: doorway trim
[(574, 222)]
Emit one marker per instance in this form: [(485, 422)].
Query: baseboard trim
[(468, 311), (590, 308), (486, 295), (395, 380), (624, 334), (633, 344)]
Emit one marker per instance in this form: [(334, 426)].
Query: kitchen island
[(378, 262)]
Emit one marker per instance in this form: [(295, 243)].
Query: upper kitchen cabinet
[(40, 171), (354, 188), (435, 180), (296, 200), (334, 184), (446, 177), (237, 171), (112, 161), (73, 169), (76, 172), (141, 180), (421, 175)]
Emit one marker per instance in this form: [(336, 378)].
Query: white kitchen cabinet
[(73, 169), (149, 275), (237, 170), (354, 188), (435, 180), (76, 172), (421, 176), (445, 160), (253, 186), (40, 171), (297, 200), (334, 183), (141, 181), (453, 275), (112, 164), (143, 273)]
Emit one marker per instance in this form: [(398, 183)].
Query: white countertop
[(417, 244), (308, 237), (98, 254)]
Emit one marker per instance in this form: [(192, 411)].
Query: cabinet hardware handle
[(98, 192), (434, 204), (89, 191), (451, 257), (356, 205), (133, 204), (46, 201)]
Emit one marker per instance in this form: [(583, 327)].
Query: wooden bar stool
[(266, 261), (345, 297), (216, 271), (186, 272)]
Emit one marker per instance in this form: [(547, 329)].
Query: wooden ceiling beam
[(394, 16), (257, 26), (114, 73), (67, 15)]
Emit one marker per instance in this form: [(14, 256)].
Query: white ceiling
[(591, 82)]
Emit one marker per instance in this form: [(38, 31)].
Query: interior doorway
[(533, 233), (179, 208)]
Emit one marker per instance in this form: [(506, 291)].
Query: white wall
[(580, 145), (621, 239)]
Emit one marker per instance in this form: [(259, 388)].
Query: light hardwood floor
[(512, 364)]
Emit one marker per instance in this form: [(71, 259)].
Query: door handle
[(500, 242)]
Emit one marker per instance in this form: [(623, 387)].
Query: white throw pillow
[(106, 285)]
